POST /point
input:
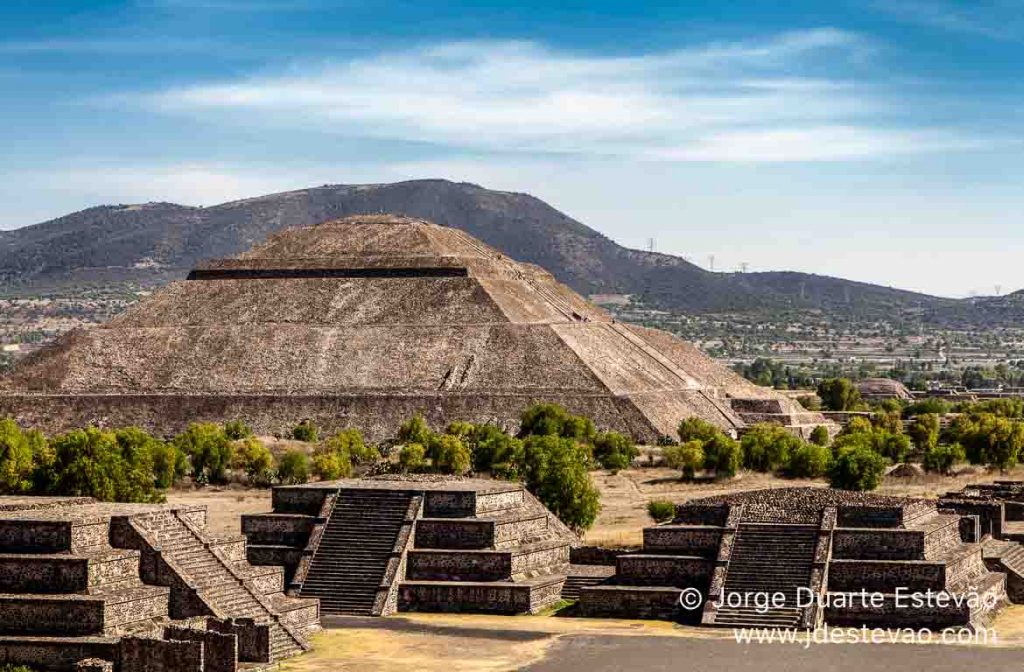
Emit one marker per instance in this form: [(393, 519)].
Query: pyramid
[(365, 321)]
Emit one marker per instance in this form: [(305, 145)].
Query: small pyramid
[(363, 322)]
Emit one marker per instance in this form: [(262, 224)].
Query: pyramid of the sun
[(365, 321)]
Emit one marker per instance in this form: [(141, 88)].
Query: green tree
[(293, 468), (554, 420), (163, 461), (494, 450), (614, 450), (696, 429), (924, 431), (809, 460), (412, 457), (16, 459), (940, 459), (306, 431), (209, 450), (555, 470), (449, 454), (857, 468), (939, 407), (890, 421), (767, 447), (90, 462), (236, 430), (989, 439), (255, 459), (687, 457), (839, 394), (819, 435), (724, 455), (415, 430)]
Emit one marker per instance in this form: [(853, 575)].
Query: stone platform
[(814, 547), (140, 586), (385, 544)]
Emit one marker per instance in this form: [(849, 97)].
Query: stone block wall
[(57, 655), (654, 570), (279, 529), (156, 655), (220, 651), (702, 541), (695, 514), (253, 639), (878, 544)]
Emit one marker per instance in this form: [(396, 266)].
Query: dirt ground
[(624, 497), (473, 643)]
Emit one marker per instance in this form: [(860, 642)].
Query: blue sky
[(879, 140)]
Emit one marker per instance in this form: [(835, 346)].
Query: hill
[(156, 242)]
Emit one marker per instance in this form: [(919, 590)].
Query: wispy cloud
[(741, 101), (114, 46), (995, 19)]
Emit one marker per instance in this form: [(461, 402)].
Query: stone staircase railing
[(725, 545), (312, 544), (814, 616), (386, 602)]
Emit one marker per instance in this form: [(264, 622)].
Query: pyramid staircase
[(219, 586), (766, 560), (350, 563)]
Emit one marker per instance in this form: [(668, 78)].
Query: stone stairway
[(584, 576), (219, 587), (352, 557), (768, 559)]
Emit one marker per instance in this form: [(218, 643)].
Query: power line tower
[(650, 244), (744, 266), (999, 290), (711, 262)]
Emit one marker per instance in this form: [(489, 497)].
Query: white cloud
[(748, 100), (994, 19)]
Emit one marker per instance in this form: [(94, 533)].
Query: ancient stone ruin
[(386, 544), (137, 588), (824, 545), (363, 322)]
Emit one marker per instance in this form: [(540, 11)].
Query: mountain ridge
[(152, 243)]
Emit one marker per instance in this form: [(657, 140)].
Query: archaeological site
[(361, 323)]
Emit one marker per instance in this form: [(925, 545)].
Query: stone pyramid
[(365, 321)]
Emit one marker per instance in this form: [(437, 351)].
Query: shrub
[(989, 439), (890, 421), (696, 429), (929, 405), (167, 463), (940, 459), (857, 468), (555, 470), (236, 430), (16, 459), (90, 462), (767, 447), (254, 458), (809, 460), (306, 431), (208, 449), (415, 430), (350, 441), (494, 450), (724, 455), (819, 435), (857, 425), (412, 457), (614, 450), (293, 468), (893, 446), (449, 454), (839, 394), (924, 430), (554, 420), (687, 457), (661, 510), (461, 429)]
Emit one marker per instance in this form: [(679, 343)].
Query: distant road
[(590, 653)]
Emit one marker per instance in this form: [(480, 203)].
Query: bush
[(16, 459), (890, 421), (495, 451), (90, 462), (819, 435), (293, 468), (614, 450), (555, 470), (687, 457), (940, 459), (168, 463), (236, 430), (254, 458), (857, 425), (931, 405), (696, 429), (893, 446), (989, 439), (461, 429), (415, 430), (306, 431), (209, 451), (839, 394), (924, 431), (857, 468), (350, 441), (412, 457), (554, 420), (809, 460), (661, 510), (449, 454), (767, 447), (724, 455)]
